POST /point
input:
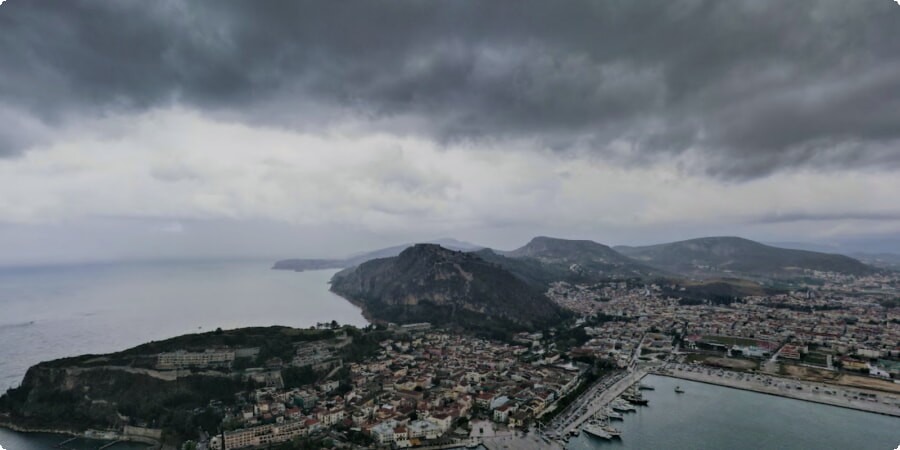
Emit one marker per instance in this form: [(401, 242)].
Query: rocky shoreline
[(5, 423)]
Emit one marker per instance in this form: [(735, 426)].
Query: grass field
[(816, 358)]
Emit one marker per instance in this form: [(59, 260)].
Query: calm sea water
[(49, 313), (715, 417)]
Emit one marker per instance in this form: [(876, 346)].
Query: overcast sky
[(171, 129)]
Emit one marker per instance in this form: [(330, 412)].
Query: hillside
[(130, 388), (428, 283), (580, 260), (301, 264), (734, 256)]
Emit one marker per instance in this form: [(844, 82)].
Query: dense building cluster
[(413, 392), (836, 322)]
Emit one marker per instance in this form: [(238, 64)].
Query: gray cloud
[(748, 88)]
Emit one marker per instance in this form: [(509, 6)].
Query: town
[(419, 389), (426, 387)]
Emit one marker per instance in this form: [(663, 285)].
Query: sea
[(54, 312), (710, 417)]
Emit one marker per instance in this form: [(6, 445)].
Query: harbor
[(867, 400), (738, 420), (605, 411), (607, 400)]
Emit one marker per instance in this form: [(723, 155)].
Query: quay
[(602, 398), (530, 441), (842, 396)]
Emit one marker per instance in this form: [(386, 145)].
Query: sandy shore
[(854, 398)]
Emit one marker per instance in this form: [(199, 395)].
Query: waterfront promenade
[(853, 398)]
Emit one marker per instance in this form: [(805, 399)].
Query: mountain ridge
[(736, 256)]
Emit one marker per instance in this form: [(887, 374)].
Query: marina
[(739, 420), (627, 399), (878, 402)]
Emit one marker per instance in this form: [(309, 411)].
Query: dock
[(529, 442), (606, 396)]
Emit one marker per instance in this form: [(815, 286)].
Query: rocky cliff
[(428, 283)]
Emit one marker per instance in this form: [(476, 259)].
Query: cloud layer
[(434, 117), (754, 86)]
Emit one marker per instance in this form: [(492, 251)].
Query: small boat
[(597, 431), (679, 390), (621, 406), (614, 432), (635, 399), (612, 415), (646, 387)]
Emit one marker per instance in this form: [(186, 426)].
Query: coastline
[(365, 312), (149, 442), (809, 393), (21, 429)]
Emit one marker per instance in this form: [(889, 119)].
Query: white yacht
[(597, 431)]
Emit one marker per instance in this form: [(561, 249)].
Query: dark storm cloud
[(750, 86)]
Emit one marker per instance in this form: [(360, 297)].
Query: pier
[(601, 399)]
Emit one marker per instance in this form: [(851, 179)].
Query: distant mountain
[(429, 283), (881, 260), (809, 246), (574, 260), (300, 265), (734, 256), (890, 261)]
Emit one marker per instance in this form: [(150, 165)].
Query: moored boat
[(597, 431), (613, 431), (635, 399), (621, 406)]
